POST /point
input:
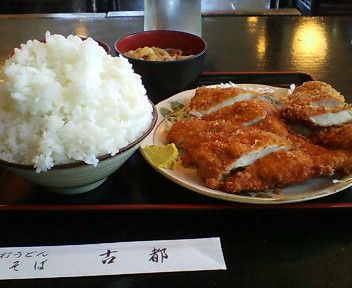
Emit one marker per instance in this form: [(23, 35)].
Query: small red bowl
[(164, 78)]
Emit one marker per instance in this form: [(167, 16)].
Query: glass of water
[(179, 15)]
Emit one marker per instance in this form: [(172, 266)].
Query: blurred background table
[(306, 7), (266, 247)]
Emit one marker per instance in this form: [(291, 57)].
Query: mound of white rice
[(66, 100)]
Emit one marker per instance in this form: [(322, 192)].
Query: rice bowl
[(67, 100)]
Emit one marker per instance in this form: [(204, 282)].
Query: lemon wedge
[(162, 156)]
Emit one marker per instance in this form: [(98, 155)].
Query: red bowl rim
[(6, 164), (200, 39)]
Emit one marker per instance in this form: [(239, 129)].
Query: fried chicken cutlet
[(317, 104), (243, 144), (189, 134), (210, 99), (316, 94), (218, 147), (283, 168), (253, 112), (336, 137), (276, 170), (219, 151), (326, 162), (318, 116), (246, 112)]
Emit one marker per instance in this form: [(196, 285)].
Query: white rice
[(66, 100)]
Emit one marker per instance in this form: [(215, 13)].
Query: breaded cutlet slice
[(274, 124), (275, 170), (255, 113), (327, 162), (318, 116), (216, 159), (246, 112), (210, 99), (315, 100), (314, 85), (336, 137), (283, 168), (317, 93), (190, 133), (317, 104)]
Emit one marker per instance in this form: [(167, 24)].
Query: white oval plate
[(188, 178)]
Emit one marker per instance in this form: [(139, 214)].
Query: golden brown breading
[(315, 100), (318, 116), (338, 137), (313, 85), (326, 162), (317, 104), (274, 124), (316, 93), (187, 134), (243, 112), (244, 145), (253, 112), (215, 159), (275, 170), (283, 168), (208, 100)]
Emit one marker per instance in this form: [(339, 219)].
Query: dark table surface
[(263, 247)]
